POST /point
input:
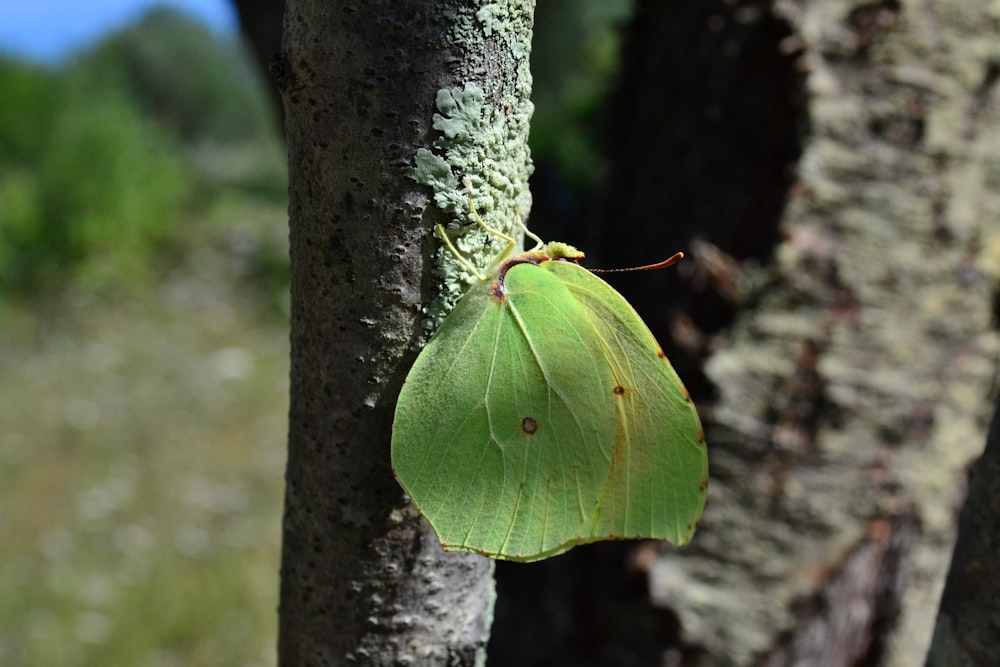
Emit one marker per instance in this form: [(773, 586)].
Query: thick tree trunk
[(363, 580)]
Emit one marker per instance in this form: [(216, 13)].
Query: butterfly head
[(560, 250)]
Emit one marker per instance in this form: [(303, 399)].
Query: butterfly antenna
[(676, 257)]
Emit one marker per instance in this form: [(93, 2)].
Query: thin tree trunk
[(363, 579)]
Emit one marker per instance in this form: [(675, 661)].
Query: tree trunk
[(363, 579)]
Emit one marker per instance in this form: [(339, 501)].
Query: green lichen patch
[(480, 158)]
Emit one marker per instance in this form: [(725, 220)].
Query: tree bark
[(967, 631), (363, 578)]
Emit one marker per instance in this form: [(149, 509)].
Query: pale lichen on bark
[(482, 155), (884, 265)]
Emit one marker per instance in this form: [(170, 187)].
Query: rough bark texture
[(364, 580), (842, 318), (849, 619), (854, 383), (968, 625)]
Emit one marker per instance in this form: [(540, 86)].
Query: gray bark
[(363, 579)]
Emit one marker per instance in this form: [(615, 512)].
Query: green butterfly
[(543, 414)]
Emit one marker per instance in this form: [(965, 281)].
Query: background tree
[(841, 318)]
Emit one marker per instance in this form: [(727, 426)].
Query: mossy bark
[(363, 579)]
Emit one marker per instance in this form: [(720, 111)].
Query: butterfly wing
[(659, 473), (548, 418)]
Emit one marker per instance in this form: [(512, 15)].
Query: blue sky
[(48, 30)]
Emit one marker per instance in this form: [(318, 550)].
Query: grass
[(142, 446)]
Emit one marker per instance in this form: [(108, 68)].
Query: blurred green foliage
[(143, 254), (201, 85), (141, 456), (89, 185), (107, 161), (574, 59)]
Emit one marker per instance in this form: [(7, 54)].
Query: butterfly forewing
[(656, 486)]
